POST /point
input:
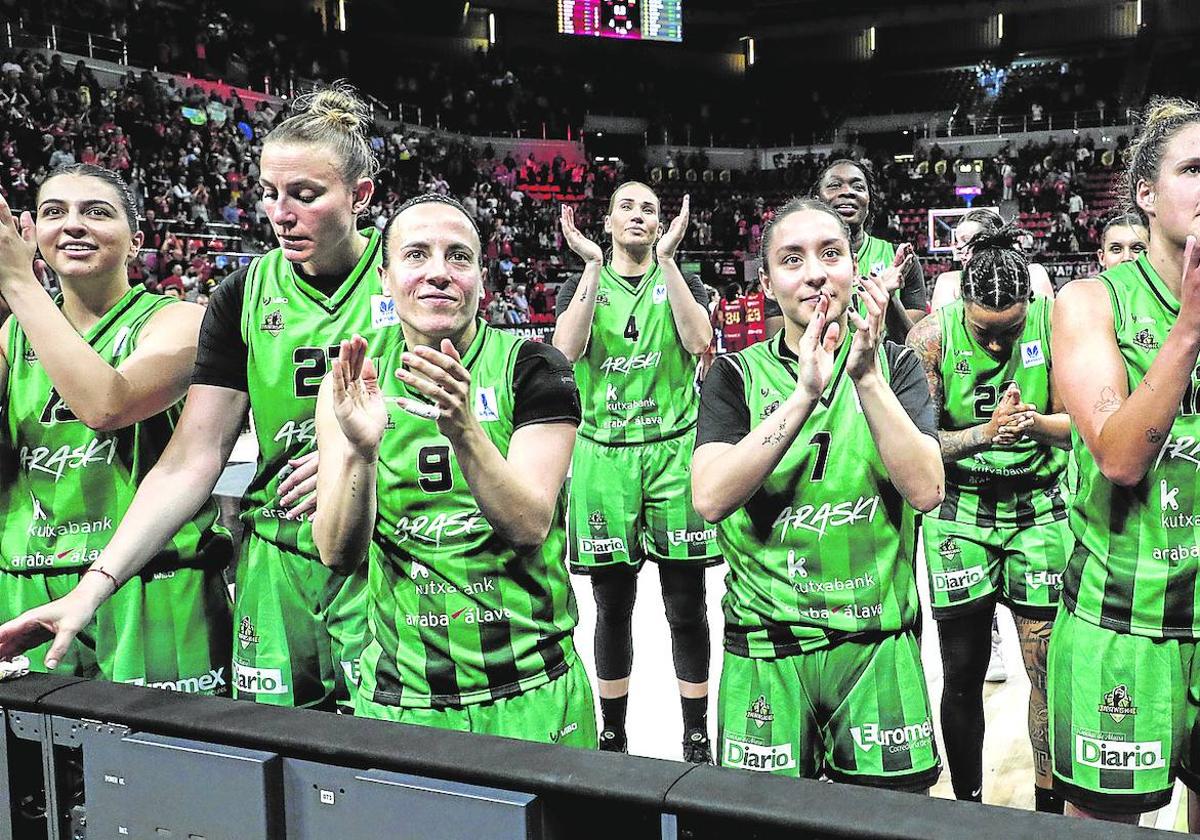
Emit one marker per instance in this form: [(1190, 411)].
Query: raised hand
[(669, 242), (869, 331), (892, 277), (587, 250), (357, 401), (17, 245), (817, 345), (439, 376)]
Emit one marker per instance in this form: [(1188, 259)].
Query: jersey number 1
[(821, 440)]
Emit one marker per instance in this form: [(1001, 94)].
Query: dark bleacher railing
[(83, 759)]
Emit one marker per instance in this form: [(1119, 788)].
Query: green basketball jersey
[(874, 255), (825, 548), (457, 615), (70, 486), (1019, 485), (1136, 554), (292, 330), (635, 378)]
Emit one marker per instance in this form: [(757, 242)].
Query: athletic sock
[(612, 713), (1047, 801), (695, 713)]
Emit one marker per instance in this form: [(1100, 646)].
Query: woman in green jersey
[(1123, 239), (849, 188), (1124, 676), (1001, 534), (448, 461), (92, 383), (812, 451), (948, 286), (634, 328), (265, 345)]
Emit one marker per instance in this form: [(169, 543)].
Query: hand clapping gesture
[(587, 250), (817, 346), (357, 401), (669, 242), (441, 378)]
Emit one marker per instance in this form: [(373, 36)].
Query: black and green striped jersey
[(825, 548), (272, 332), (1136, 556), (635, 377), (1020, 485), (67, 486), (457, 615)]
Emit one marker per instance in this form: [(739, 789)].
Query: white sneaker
[(996, 672)]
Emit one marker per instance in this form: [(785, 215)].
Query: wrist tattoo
[(1154, 435)]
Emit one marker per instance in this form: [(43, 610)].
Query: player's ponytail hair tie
[(337, 119)]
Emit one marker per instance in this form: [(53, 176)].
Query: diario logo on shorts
[(1038, 579), (961, 579), (686, 537), (609, 546), (597, 520), (1108, 754), (900, 739), (208, 683), (1118, 703), (760, 712), (246, 634), (762, 759), (258, 680)]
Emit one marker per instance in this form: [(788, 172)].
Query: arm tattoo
[(1154, 435), (777, 436), (1108, 402), (926, 341), (961, 444)]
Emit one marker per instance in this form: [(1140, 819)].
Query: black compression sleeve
[(544, 388), (222, 355)]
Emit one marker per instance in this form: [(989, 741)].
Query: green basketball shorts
[(630, 503), (969, 565), (558, 712), (1123, 713), (857, 712), (299, 629), (164, 629)]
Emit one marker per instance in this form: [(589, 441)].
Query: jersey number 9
[(433, 464)]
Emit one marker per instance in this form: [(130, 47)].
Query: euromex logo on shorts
[(685, 537), (961, 579), (1113, 754), (900, 739), (258, 680), (1038, 579), (208, 683), (763, 759), (609, 546)]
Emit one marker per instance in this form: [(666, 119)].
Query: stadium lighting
[(871, 38), (1000, 26), (341, 16), (750, 51), (492, 29), (1139, 13)]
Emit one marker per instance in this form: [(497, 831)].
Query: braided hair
[(997, 276)]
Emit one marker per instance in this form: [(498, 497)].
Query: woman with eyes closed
[(92, 384), (266, 343)]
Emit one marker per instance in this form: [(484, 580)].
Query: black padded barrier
[(585, 794)]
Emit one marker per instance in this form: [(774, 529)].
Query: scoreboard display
[(638, 20)]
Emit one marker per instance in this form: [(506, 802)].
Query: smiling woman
[(265, 344), (101, 370)]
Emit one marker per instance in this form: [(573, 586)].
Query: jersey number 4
[(56, 411), (631, 330)]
